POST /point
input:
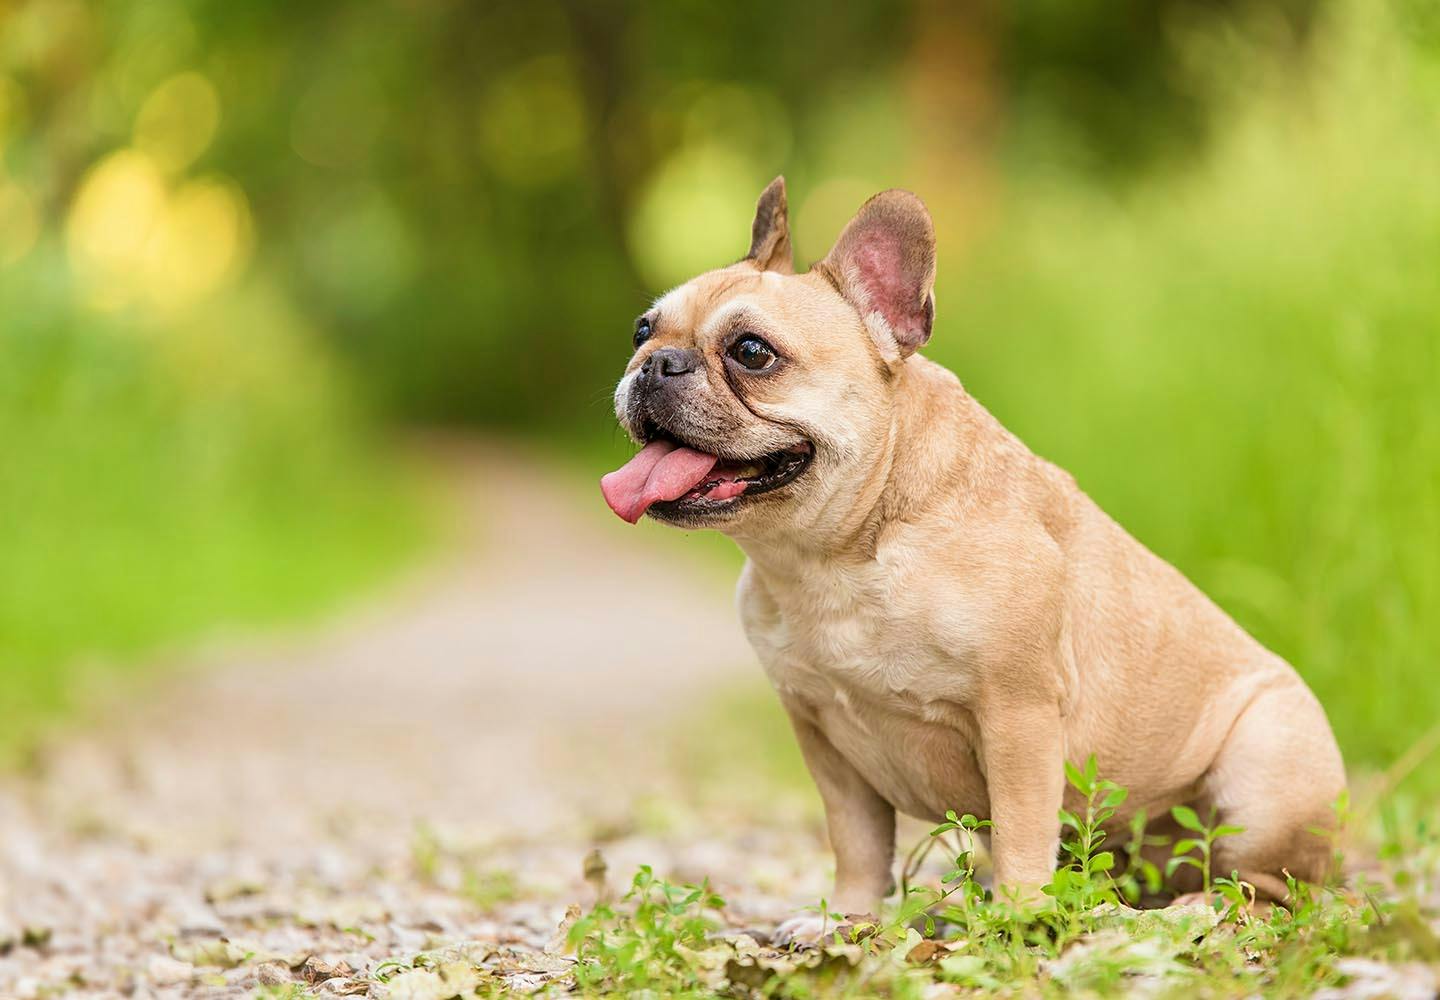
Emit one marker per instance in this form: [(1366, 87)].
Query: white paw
[(809, 929), (806, 930)]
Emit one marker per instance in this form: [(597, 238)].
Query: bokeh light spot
[(695, 215), (130, 239), (177, 121), (116, 211), (203, 238)]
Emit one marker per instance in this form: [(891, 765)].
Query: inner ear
[(770, 232), (884, 263)]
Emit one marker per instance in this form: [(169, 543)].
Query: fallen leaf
[(420, 984), (462, 977), (316, 970), (219, 952), (925, 951)]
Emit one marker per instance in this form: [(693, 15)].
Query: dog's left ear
[(884, 264), (770, 232)]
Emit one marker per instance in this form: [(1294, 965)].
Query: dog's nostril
[(672, 361)]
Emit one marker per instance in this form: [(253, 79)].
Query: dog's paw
[(802, 931), (807, 930)]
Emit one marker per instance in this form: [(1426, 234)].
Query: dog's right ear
[(770, 232), (884, 264)]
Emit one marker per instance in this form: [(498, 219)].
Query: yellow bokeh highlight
[(178, 121), (133, 239), (695, 214), (206, 231), (19, 222), (114, 215)]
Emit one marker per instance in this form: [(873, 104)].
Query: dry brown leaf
[(316, 970)]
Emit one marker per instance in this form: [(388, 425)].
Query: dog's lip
[(650, 430), (777, 469)]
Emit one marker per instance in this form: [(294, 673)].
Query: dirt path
[(429, 771)]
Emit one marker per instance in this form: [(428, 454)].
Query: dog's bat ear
[(884, 264), (770, 232)]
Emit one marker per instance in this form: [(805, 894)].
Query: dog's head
[(759, 394)]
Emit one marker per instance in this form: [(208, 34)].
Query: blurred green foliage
[(156, 483), (1239, 362), (1187, 250), (457, 193)]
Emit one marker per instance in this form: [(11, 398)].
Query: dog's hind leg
[(1277, 775)]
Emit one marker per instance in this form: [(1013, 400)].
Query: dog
[(946, 617)]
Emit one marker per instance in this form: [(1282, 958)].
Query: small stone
[(273, 974), (316, 970)]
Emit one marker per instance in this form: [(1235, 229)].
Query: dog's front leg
[(862, 834), (1023, 754)]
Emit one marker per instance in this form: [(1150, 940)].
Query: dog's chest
[(884, 676)]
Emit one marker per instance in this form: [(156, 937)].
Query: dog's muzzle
[(655, 394)]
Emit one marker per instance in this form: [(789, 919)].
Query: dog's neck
[(927, 456)]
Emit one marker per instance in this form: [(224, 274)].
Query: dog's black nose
[(669, 361)]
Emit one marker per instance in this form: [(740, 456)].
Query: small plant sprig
[(1336, 835), (962, 892), (1236, 896), (962, 889), (1085, 881), (1141, 875), (644, 949), (1204, 841)]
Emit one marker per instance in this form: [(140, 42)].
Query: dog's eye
[(643, 331), (753, 353)]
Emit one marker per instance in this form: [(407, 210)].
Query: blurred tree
[(470, 200), (1105, 85)]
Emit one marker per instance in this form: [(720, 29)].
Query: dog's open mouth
[(676, 479)]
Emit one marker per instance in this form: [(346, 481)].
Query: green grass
[(160, 481), (1239, 362), (948, 930), (1081, 941)]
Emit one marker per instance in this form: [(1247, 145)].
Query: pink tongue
[(662, 470)]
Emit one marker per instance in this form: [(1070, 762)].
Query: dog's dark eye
[(753, 353), (643, 331)]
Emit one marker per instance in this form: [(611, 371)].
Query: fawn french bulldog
[(946, 617)]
